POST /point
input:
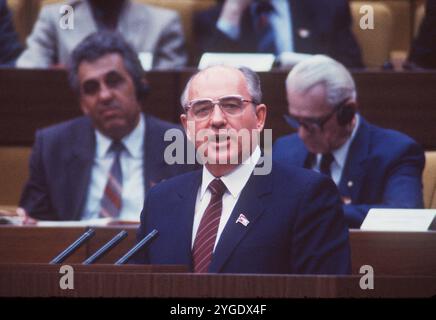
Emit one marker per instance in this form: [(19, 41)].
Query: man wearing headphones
[(101, 164), (372, 167)]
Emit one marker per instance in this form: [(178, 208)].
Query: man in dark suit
[(71, 161), (423, 50), (233, 216), (309, 26), (372, 167), (10, 47)]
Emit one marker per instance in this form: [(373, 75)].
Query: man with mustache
[(99, 165), (229, 217)]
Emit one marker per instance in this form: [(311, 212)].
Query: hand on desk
[(16, 216)]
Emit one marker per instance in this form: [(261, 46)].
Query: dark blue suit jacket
[(296, 225), (383, 169), (328, 21), (10, 47), (61, 165)]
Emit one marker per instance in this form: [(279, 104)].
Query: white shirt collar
[(340, 154), (236, 180), (133, 142)]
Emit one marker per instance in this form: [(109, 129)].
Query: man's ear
[(145, 87), (261, 112), (184, 121), (189, 126), (84, 109)]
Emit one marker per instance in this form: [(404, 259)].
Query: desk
[(389, 253), (33, 280), (32, 99)]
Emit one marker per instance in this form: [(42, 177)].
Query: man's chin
[(115, 130), (314, 148)]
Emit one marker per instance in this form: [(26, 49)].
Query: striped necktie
[(208, 229), (112, 197)]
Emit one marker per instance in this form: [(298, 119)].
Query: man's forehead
[(311, 103), (217, 81), (112, 62)]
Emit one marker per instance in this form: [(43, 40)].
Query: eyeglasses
[(231, 105), (309, 123)]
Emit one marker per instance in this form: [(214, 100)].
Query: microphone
[(104, 249), (73, 247), (145, 241)]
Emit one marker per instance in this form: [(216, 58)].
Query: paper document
[(259, 62), (398, 219)]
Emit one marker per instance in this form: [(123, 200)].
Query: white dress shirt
[(339, 155), (132, 165), (235, 182)]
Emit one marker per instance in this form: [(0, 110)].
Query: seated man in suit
[(146, 28), (423, 50), (372, 167), (10, 47), (101, 164), (231, 217), (276, 26)]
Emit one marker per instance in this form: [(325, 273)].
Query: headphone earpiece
[(345, 114), (142, 90)]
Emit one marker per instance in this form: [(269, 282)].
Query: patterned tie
[(326, 162), (207, 231), (111, 201), (264, 30)]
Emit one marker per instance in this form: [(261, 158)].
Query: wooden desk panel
[(398, 253), (41, 244), (32, 280), (389, 253), (32, 99)]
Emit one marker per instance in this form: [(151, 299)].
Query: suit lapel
[(301, 156), (251, 204), (86, 23), (356, 163), (185, 219), (302, 24), (79, 167), (153, 155)]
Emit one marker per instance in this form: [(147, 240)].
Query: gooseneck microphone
[(73, 247), (105, 248), (145, 241)]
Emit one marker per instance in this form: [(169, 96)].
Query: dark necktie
[(208, 228), (263, 27), (112, 196), (326, 162)]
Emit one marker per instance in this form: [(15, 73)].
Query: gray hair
[(320, 69), (251, 77), (98, 44)]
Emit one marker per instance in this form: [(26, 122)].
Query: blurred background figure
[(423, 51), (276, 26), (146, 28), (373, 167), (101, 164), (10, 47)]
